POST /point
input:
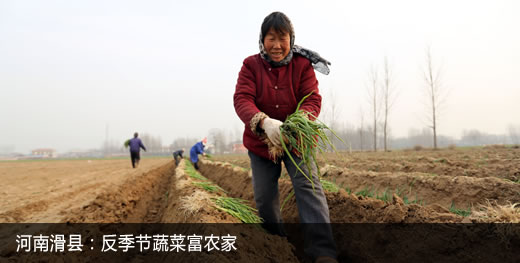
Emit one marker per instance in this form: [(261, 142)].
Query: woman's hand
[(272, 130)]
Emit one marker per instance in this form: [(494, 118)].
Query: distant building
[(77, 153), (44, 153), (239, 148)]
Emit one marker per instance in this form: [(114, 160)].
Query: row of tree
[(355, 139), (368, 135), (362, 139), (152, 143), (382, 94), (219, 140)]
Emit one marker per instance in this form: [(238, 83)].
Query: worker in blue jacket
[(135, 147), (197, 149)]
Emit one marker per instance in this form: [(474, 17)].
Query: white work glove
[(272, 129)]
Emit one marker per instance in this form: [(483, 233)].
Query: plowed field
[(395, 187), (460, 178), (51, 191)]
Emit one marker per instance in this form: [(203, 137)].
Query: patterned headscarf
[(318, 63)]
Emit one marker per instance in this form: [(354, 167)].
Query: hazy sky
[(169, 68)]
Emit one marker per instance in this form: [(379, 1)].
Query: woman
[(269, 87)]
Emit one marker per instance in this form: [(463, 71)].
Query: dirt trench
[(343, 207), (163, 195), (158, 196), (47, 191), (460, 191), (499, 162), (192, 205), (432, 166), (167, 195), (429, 233)]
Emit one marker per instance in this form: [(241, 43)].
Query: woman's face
[(277, 45)]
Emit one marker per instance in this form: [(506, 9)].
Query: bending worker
[(177, 155), (197, 149)]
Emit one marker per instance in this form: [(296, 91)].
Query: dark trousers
[(196, 165), (177, 159), (135, 158), (312, 205)]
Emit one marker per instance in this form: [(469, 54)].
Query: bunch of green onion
[(329, 186), (191, 172), (237, 208), (208, 186), (298, 132)]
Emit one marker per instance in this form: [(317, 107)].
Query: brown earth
[(343, 208), (140, 200), (190, 204), (500, 162), (110, 192), (361, 242), (47, 191), (497, 161), (460, 177), (162, 195), (459, 191)]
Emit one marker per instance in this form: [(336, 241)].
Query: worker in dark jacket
[(269, 87), (135, 147), (197, 149), (177, 155)]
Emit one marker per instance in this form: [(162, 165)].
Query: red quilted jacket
[(275, 92)]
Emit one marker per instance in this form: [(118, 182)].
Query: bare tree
[(435, 93), (333, 113), (185, 143), (361, 128), (152, 143), (218, 139), (373, 100), (388, 93), (334, 110)]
